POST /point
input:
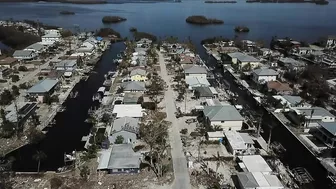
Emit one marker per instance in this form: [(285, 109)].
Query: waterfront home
[(295, 43), (258, 180), (24, 54), (4, 72), (21, 110), (292, 64), (127, 127), (332, 83), (290, 101), (302, 51), (205, 93), (331, 42), (279, 87), (119, 159), (42, 88), (87, 47), (316, 50), (326, 132), (8, 62), (128, 110), (265, 52), (195, 71), (144, 43), (264, 75), (138, 74), (215, 136), (66, 65), (225, 116), (197, 82), (133, 86), (243, 60), (187, 59), (309, 117), (51, 38), (239, 143), (254, 163), (132, 98), (36, 47)]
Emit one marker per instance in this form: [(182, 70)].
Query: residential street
[(181, 173)]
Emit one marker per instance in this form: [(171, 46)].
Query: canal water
[(70, 127)]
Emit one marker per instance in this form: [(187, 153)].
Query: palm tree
[(39, 156)]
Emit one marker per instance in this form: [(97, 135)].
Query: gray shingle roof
[(247, 180), (35, 46), (20, 53), (243, 57), (123, 156), (138, 71), (204, 91), (133, 86), (67, 63), (222, 113), (329, 126), (195, 70), (127, 124), (292, 99), (43, 86), (265, 72), (318, 111)]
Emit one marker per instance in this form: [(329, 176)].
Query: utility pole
[(259, 126)]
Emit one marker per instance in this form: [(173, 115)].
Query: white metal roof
[(235, 140), (128, 110), (216, 134), (255, 163), (261, 180)]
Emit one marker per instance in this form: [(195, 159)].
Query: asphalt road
[(181, 172)]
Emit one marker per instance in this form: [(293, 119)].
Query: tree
[(84, 172), (154, 131), (106, 118), (34, 136), (6, 97), (119, 139), (55, 183), (23, 86), (15, 90), (39, 156), (15, 78), (23, 68), (7, 127), (156, 88)]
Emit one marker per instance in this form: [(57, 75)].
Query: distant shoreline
[(57, 1)]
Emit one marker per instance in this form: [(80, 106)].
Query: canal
[(70, 127)]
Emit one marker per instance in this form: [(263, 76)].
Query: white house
[(128, 110), (87, 47), (243, 59), (264, 75), (239, 143), (226, 116), (291, 101), (331, 42), (258, 180), (292, 64), (67, 65), (195, 71), (302, 50), (326, 132), (51, 38), (36, 47), (24, 54), (254, 163), (265, 52), (312, 116), (215, 135)]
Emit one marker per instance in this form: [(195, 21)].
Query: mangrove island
[(241, 29), (67, 13), (202, 20), (112, 19)]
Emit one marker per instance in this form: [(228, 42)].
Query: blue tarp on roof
[(99, 38)]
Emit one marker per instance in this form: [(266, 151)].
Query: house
[(326, 132), (212, 102), (127, 110), (51, 38), (138, 74), (4, 72), (258, 180), (331, 42), (265, 52), (279, 88), (312, 116), (23, 110), (243, 60), (226, 116), (36, 48), (195, 71), (331, 83), (197, 82), (317, 51), (119, 159), (24, 54), (292, 64), (127, 127), (254, 163), (42, 88), (133, 86), (132, 98), (239, 143), (291, 101), (86, 47), (295, 43), (187, 59), (66, 65), (8, 62), (263, 75), (205, 92), (215, 136), (302, 51)]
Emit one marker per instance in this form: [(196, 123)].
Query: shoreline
[(87, 2)]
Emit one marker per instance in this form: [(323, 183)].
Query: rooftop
[(35, 46), (127, 110), (255, 163), (132, 97), (222, 113), (126, 123), (317, 111), (20, 53), (194, 69), (265, 72), (247, 138), (197, 81), (278, 86), (203, 91), (67, 63), (243, 57), (52, 35), (292, 61), (215, 134), (138, 71), (247, 180), (7, 61), (235, 140), (133, 86), (43, 86)]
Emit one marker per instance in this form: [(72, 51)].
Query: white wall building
[(195, 71), (239, 143), (50, 38), (264, 75)]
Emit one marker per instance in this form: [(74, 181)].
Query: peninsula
[(112, 19), (202, 20)]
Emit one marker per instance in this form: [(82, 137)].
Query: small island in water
[(112, 19), (67, 13), (202, 20), (241, 29)]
